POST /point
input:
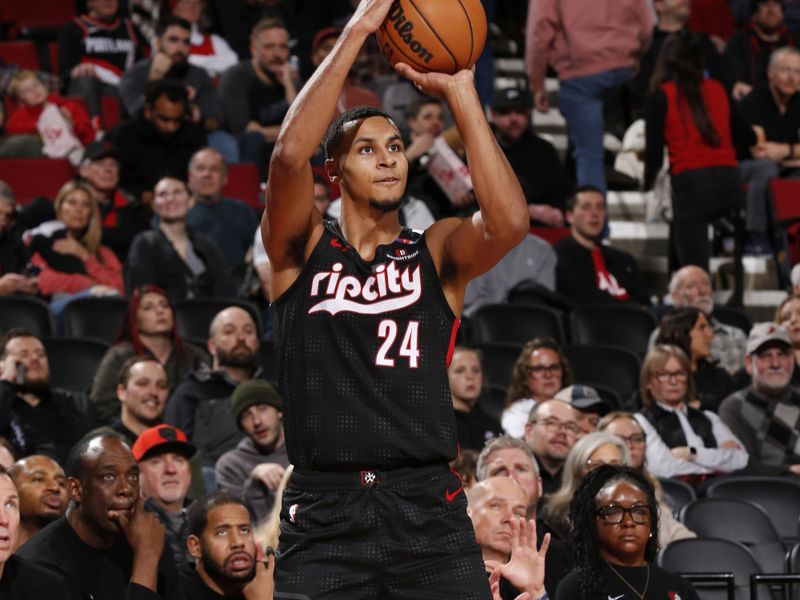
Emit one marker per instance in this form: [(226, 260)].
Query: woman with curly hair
[(539, 373), (149, 328), (614, 524), (690, 330)]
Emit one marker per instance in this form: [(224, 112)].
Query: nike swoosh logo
[(615, 597), (450, 496)]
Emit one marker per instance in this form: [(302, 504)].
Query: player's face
[(466, 376), (374, 168), (228, 549), (270, 49), (42, 489), (492, 510), (588, 215)]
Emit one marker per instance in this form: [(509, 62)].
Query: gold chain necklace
[(626, 582)]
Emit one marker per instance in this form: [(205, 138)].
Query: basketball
[(445, 36)]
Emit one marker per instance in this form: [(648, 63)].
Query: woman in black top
[(690, 330), (614, 522)]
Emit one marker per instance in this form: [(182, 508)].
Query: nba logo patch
[(674, 596), (293, 512)]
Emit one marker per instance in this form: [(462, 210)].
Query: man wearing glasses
[(551, 431), (158, 140)]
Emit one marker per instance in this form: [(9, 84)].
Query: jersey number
[(409, 347)]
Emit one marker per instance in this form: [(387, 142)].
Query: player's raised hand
[(435, 84), (370, 14)]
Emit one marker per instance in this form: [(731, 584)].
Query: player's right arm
[(291, 226)]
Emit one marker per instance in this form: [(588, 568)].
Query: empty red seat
[(32, 177), (25, 14), (243, 183), (551, 234), (21, 53)]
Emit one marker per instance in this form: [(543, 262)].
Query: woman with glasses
[(539, 373), (691, 331), (682, 441), (587, 454), (625, 426), (614, 524)]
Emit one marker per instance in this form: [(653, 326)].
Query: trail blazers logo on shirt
[(388, 289)]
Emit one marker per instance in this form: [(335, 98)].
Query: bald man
[(200, 406), (42, 488)]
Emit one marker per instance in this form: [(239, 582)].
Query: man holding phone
[(34, 417)]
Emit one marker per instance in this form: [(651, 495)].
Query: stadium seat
[(95, 318), (609, 366), (624, 325), (243, 183), (111, 110), (28, 16), (194, 317), (515, 323), (21, 53), (778, 496), (32, 177), (680, 493), (29, 312), (493, 400), (73, 361), (713, 555), (498, 362), (738, 521), (551, 234)]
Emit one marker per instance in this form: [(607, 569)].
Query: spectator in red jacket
[(68, 251)]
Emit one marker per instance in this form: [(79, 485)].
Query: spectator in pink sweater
[(68, 251), (594, 47)]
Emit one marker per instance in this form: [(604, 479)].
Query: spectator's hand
[(436, 84), (683, 453), (794, 469), (525, 569), (8, 372), (419, 146), (740, 90), (83, 70), (775, 152), (540, 101), (14, 283), (549, 215), (262, 585), (270, 474), (143, 530), (161, 63), (286, 75), (69, 245), (731, 444)]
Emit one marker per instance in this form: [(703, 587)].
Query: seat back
[(21, 53), (34, 14), (733, 317), (194, 316), (26, 311), (680, 493), (515, 323), (73, 361), (713, 555), (96, 318), (551, 234), (778, 496), (498, 362), (784, 195), (623, 325), (243, 183), (32, 177), (493, 400), (609, 366), (738, 521)]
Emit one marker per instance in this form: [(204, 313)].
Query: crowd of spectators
[(190, 431)]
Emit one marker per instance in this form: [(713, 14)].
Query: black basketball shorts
[(402, 534)]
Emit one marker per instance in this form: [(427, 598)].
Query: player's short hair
[(197, 516), (171, 21), (573, 199), (266, 23), (125, 369), (336, 130)]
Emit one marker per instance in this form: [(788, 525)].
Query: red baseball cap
[(160, 439)]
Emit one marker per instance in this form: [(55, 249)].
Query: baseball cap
[(159, 439), (252, 392), (762, 333), (511, 97), (324, 34), (100, 150), (583, 397)]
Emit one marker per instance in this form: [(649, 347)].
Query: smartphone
[(19, 377)]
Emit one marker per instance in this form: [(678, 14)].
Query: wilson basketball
[(434, 35)]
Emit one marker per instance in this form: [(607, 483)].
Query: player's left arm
[(465, 248)]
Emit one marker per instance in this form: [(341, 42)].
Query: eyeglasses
[(556, 425), (594, 464), (540, 370), (665, 376), (613, 514), (637, 439)]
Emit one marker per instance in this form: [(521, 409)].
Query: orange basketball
[(434, 35)]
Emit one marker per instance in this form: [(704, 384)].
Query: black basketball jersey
[(363, 349)]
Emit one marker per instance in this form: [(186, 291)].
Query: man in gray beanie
[(254, 469)]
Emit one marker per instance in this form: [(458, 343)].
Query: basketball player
[(365, 319)]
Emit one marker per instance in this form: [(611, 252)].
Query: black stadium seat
[(97, 318), (498, 362), (73, 361), (614, 368), (626, 326), (26, 311), (515, 323), (194, 317)]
